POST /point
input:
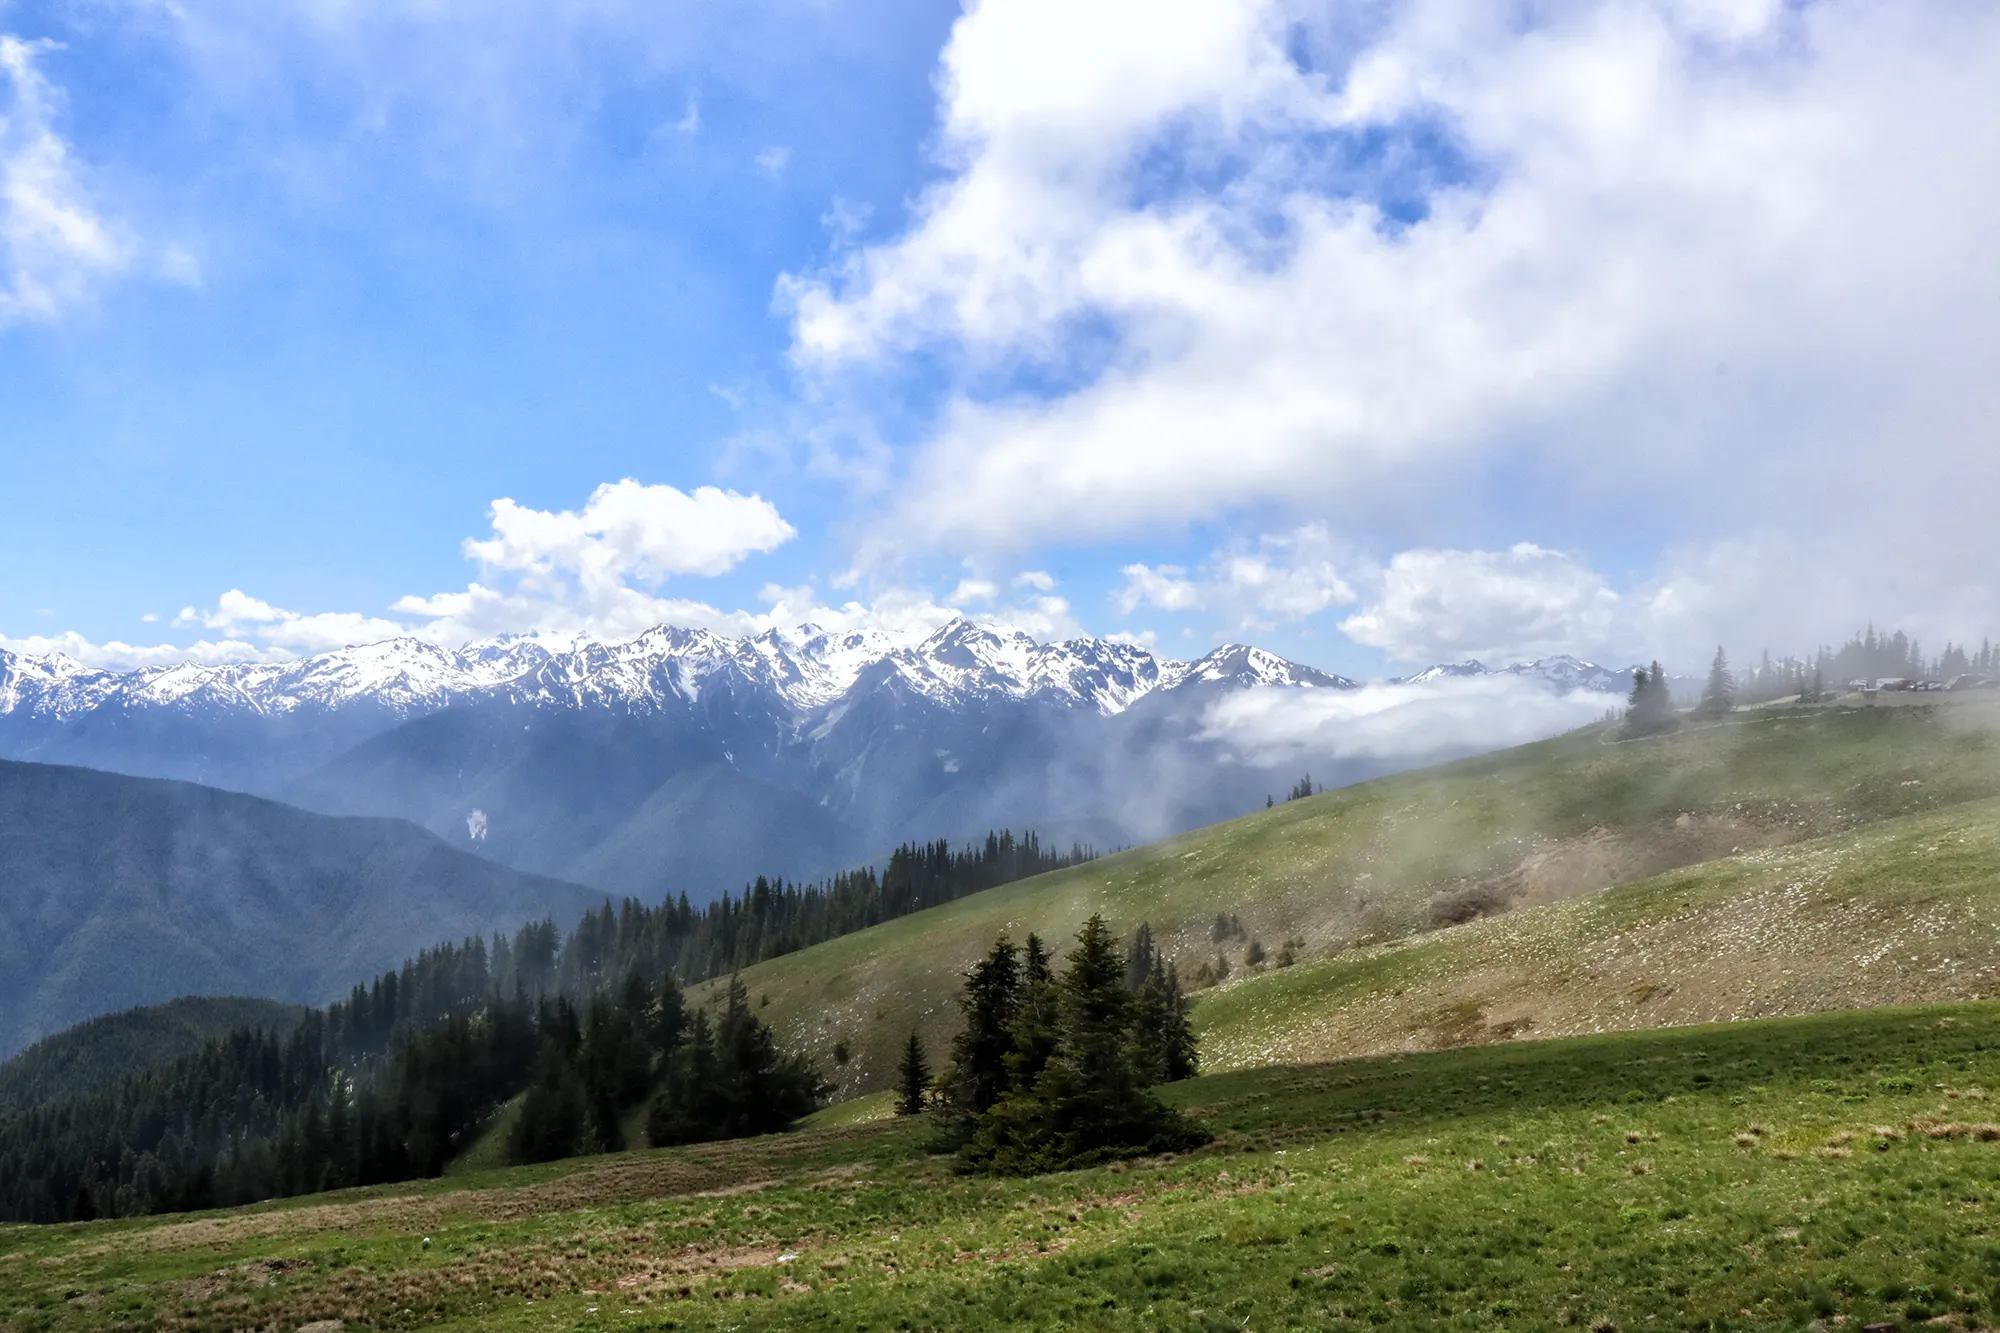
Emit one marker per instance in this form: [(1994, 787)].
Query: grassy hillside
[(1770, 1174), (94, 1054), (1352, 869)]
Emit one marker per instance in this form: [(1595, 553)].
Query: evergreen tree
[(913, 1078), (553, 1118), (689, 1101), (978, 1076), (1651, 703), (1718, 695), (1140, 957), (1089, 1103)]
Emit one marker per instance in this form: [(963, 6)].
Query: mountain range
[(688, 761)]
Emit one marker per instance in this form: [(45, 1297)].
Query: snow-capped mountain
[(685, 759), (1562, 673), (803, 669)]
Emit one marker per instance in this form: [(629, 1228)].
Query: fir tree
[(1718, 695), (978, 1076), (1651, 704), (1089, 1104), (913, 1078), (1139, 957)]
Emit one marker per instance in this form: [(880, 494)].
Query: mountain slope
[(119, 891), (1906, 911), (1410, 854), (101, 1051)]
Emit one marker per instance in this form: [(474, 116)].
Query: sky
[(1373, 333)]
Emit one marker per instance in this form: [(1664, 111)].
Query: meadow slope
[(1748, 1175), (1397, 859)]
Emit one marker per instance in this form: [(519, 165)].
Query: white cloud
[(974, 590), (1675, 269), (1397, 722), (54, 247), (1497, 606), (632, 531), (1038, 579), (585, 574), (772, 161), (1160, 586), (118, 656), (1277, 579)]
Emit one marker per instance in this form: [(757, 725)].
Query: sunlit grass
[(1745, 1175)]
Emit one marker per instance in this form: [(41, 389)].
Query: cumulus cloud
[(1497, 606), (1657, 256), (1277, 579), (631, 530), (586, 574), (54, 245), (1401, 722)]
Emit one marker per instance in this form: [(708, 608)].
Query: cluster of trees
[(1052, 1071), (1867, 656), (391, 1082), (251, 1116), (1298, 792), (705, 1080), (1651, 705)]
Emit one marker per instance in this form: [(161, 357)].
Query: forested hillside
[(393, 1081), (102, 1051), (118, 891)]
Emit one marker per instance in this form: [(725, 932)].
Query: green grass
[(1381, 862), (1903, 911), (1744, 1175)]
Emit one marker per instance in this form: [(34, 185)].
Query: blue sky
[(1373, 333)]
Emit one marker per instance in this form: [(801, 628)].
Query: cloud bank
[(1719, 266), (1399, 722)]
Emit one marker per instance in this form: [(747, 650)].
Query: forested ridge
[(393, 1081)]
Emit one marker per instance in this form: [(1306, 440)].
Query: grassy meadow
[(1350, 871), (1784, 1173)]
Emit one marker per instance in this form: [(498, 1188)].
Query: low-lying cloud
[(1397, 723)]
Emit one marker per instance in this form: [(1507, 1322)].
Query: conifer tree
[(913, 1078), (1718, 695), (978, 1076), (1140, 957), (1089, 1103)]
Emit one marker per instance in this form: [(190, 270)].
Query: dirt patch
[(1601, 858), (1468, 1023)]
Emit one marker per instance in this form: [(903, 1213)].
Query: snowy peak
[(1242, 666), (796, 672), (1448, 671), (1562, 672), (1568, 673)]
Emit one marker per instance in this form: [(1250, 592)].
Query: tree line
[(1867, 656), (394, 1081)]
